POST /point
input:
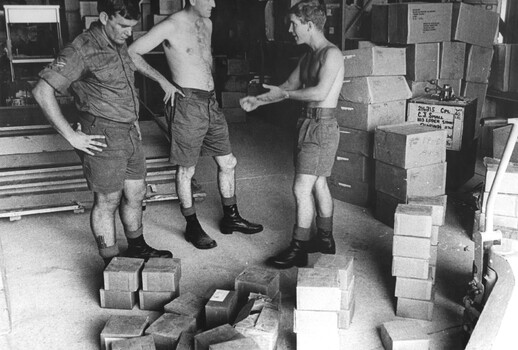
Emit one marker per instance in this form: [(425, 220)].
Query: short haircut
[(129, 9), (310, 11)]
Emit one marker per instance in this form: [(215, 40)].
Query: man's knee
[(227, 163), (185, 173), (107, 201)]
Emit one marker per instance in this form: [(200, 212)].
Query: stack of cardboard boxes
[(235, 87), (374, 93), (454, 40), (410, 162), (160, 280), (325, 303)]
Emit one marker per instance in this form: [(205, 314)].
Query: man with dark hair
[(317, 80), (197, 123), (97, 68)]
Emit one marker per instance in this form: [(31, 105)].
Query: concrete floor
[(54, 272)]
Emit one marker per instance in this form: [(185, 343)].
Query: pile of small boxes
[(123, 277), (374, 93), (235, 87), (410, 162), (190, 321), (325, 303)]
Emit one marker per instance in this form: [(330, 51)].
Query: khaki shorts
[(197, 127), (318, 137), (122, 159)]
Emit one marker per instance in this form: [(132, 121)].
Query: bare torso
[(309, 74), (188, 51)]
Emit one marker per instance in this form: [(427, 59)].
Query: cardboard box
[(166, 329), (374, 61), (257, 280), (138, 343), (353, 167), (318, 289), (452, 60), (410, 267), (411, 247), (263, 329), (409, 145), (379, 26), (123, 274), (344, 264), (478, 63), (413, 308), (119, 327), (221, 308), (456, 118), (317, 321), (161, 275), (412, 23), (429, 180), (375, 89), (414, 288), (473, 25), (413, 220), (367, 117), (155, 300), (385, 208), (438, 205), (404, 335), (422, 61), (357, 193), (355, 141), (236, 344), (226, 332)]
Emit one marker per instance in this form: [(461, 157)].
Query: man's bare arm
[(44, 95), (332, 68), (145, 44)]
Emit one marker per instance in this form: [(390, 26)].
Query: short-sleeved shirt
[(100, 74)]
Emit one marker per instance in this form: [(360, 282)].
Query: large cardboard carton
[(354, 192), (478, 63), (404, 335), (375, 89), (355, 141), (379, 27), (374, 61), (452, 60), (385, 208), (423, 61), (457, 118), (429, 180), (353, 166), (473, 25), (412, 23), (409, 145), (367, 116)]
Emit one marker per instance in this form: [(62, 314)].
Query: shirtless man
[(317, 80), (197, 123)]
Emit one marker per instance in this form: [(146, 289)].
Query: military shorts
[(318, 137)]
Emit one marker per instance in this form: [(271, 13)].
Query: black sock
[(138, 241), (191, 218)]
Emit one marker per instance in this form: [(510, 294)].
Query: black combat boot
[(232, 221), (138, 248), (294, 255), (195, 234), (323, 243)]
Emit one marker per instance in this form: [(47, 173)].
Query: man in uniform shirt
[(97, 68)]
